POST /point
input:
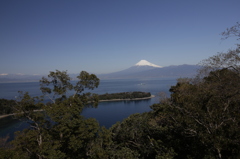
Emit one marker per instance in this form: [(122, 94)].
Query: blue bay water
[(107, 113)]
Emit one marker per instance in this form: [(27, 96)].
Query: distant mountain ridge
[(4, 78), (142, 69), (145, 69)]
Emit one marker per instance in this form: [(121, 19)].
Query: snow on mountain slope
[(146, 71), (146, 63)]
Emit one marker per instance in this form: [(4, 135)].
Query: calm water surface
[(107, 113)]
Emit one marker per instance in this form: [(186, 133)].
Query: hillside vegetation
[(6, 106), (199, 120)]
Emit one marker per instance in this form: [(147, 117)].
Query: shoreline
[(6, 115), (109, 100), (112, 100)]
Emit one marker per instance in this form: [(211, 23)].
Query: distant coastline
[(112, 100)]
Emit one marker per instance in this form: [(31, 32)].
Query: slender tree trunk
[(219, 153)]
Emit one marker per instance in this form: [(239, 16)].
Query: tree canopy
[(200, 119)]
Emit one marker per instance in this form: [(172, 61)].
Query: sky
[(104, 36)]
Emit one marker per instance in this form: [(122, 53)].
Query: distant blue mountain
[(153, 72), (143, 69), (19, 78)]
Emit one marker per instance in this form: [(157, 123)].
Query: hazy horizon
[(108, 36)]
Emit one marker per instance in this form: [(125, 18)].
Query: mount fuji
[(145, 69), (146, 63), (142, 69)]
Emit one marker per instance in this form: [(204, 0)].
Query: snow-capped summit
[(146, 63)]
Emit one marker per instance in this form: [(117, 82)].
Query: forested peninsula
[(200, 119), (7, 106), (125, 96)]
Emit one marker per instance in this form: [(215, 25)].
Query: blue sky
[(103, 36)]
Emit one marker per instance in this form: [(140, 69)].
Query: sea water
[(107, 113)]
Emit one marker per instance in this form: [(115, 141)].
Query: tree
[(200, 119), (205, 109), (210, 111), (230, 59), (6, 106), (57, 128), (138, 134), (233, 31)]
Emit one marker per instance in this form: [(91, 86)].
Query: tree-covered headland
[(124, 95), (7, 106), (200, 119)]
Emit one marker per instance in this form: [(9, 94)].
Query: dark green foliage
[(136, 134), (124, 95), (208, 112), (86, 80), (57, 130), (6, 106), (59, 82), (201, 119)]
